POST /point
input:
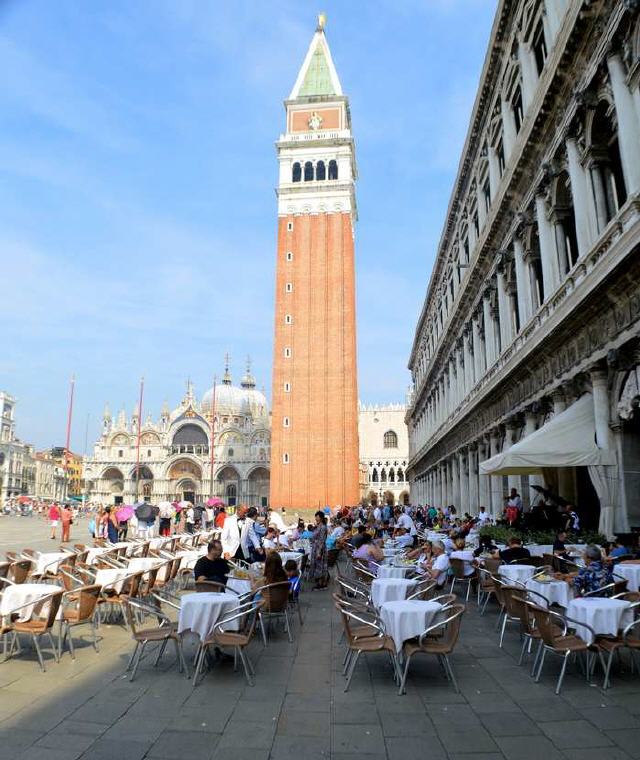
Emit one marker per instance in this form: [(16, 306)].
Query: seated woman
[(270, 541), (466, 555), (595, 575), (438, 566), (422, 554), (369, 552), (273, 571)]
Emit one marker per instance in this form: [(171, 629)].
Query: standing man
[(249, 542), (66, 518), (190, 519), (54, 519)]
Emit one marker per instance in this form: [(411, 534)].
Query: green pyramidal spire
[(317, 80)]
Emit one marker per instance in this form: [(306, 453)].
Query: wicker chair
[(41, 622), (81, 610), (19, 570), (210, 587), (166, 631), (457, 568), (276, 604), (225, 635), (438, 639)]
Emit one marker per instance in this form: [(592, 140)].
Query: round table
[(241, 585), (390, 589), (517, 573), (112, 578), (49, 562), (631, 573), (24, 593), (395, 571), (200, 612), (556, 592), (405, 619), (295, 556), (605, 616)]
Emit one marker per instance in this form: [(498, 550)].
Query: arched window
[(333, 169), (567, 241), (321, 172), (400, 476), (392, 476), (308, 171), (383, 475), (390, 440), (374, 476), (609, 186), (296, 174)]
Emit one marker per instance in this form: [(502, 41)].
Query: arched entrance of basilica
[(228, 485), (185, 480), (258, 483)]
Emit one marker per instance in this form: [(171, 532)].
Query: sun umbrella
[(124, 513), (215, 501), (144, 511), (184, 504), (176, 506)]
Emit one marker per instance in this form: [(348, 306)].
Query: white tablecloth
[(631, 573), (295, 556), (241, 585), (390, 589), (189, 558), (49, 562), (113, 578), (558, 592), (199, 612), (24, 593), (405, 619), (516, 573), (605, 616), (138, 564), (393, 571)]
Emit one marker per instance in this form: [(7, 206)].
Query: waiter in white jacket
[(231, 532)]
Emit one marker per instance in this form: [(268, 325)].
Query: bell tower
[(314, 440)]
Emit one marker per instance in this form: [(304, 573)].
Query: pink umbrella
[(215, 501), (124, 513), (177, 506)]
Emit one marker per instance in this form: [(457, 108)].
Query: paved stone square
[(88, 709)]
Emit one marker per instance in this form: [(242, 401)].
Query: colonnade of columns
[(456, 479)]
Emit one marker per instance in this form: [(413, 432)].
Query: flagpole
[(138, 440), (212, 444), (68, 439)]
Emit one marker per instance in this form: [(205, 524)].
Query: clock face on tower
[(315, 121)]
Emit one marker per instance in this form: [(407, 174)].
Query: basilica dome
[(237, 401)]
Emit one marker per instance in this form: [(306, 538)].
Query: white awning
[(567, 440)]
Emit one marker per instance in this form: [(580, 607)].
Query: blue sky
[(137, 174)]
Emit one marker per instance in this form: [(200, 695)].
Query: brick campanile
[(314, 440)]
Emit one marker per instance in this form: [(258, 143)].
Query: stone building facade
[(175, 459), (12, 450), (315, 397), (534, 300), (384, 453)]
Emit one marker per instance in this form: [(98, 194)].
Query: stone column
[(585, 224), (628, 128), (554, 11), (468, 360), (504, 310), (565, 485), (509, 134), (509, 439), (443, 484), (494, 172), (464, 482), (489, 336), (455, 481), (497, 489), (523, 281), (484, 481), (478, 349), (599, 195), (473, 487), (600, 386), (549, 258), (460, 380), (529, 73), (530, 426)]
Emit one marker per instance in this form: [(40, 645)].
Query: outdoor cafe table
[(605, 616), (631, 573), (200, 612), (390, 589), (395, 571), (516, 573), (405, 619), (241, 585), (112, 578), (24, 593), (556, 592), (49, 562)]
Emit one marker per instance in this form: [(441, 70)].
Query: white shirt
[(483, 517), (190, 515), (377, 514), (466, 555), (269, 543), (404, 521), (439, 568), (405, 540), (276, 520)]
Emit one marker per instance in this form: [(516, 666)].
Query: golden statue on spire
[(322, 20)]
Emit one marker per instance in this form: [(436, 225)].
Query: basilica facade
[(174, 459), (526, 355)]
